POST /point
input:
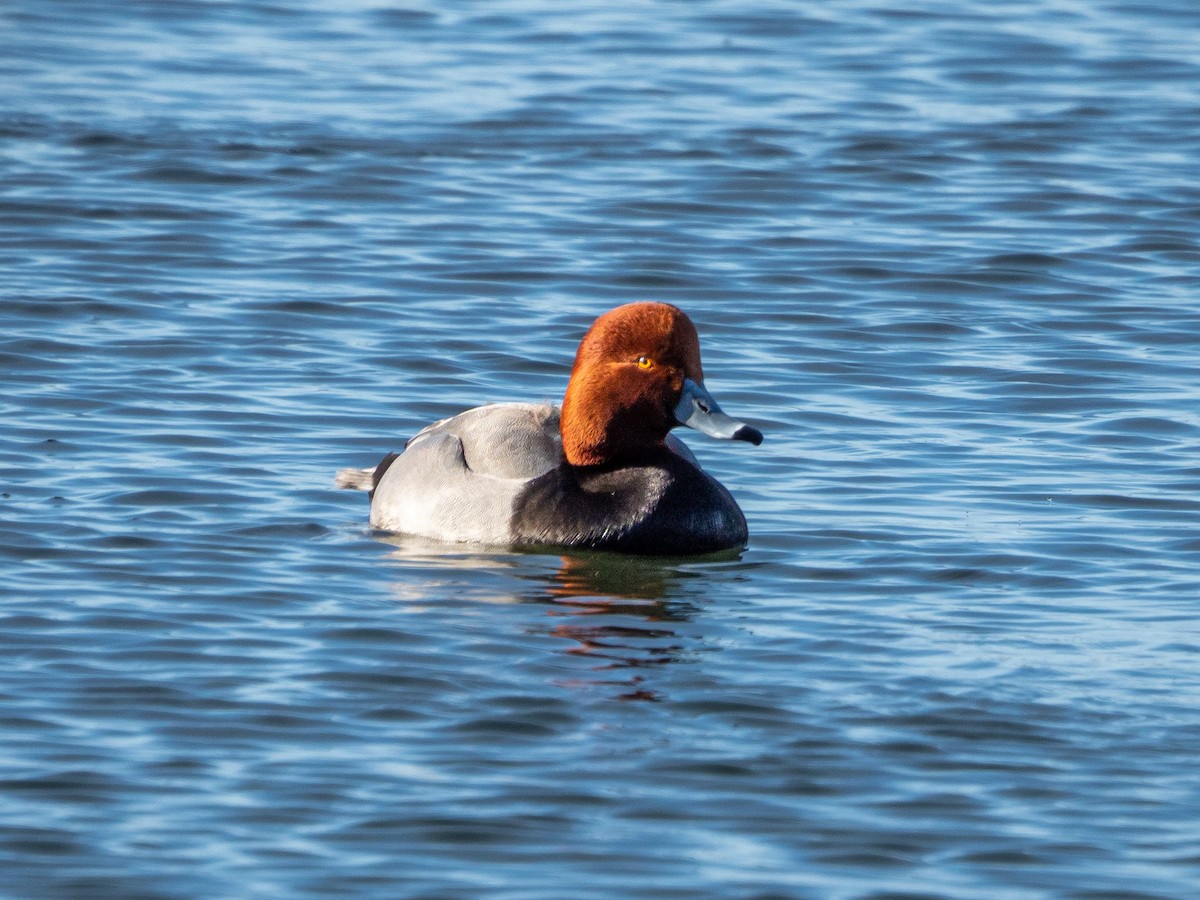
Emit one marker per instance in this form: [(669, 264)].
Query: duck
[(601, 471)]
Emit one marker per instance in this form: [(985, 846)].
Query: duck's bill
[(697, 409)]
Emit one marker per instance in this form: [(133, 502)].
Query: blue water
[(946, 255)]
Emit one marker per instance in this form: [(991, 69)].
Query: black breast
[(663, 506)]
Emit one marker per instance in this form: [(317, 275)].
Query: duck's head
[(637, 375)]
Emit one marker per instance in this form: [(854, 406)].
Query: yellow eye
[(645, 362)]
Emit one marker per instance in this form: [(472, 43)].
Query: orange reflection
[(624, 615), (637, 598)]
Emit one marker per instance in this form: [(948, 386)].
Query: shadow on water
[(624, 614)]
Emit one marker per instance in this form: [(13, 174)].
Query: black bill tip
[(746, 433)]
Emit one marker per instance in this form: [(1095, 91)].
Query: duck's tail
[(355, 479)]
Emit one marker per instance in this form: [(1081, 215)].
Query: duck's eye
[(645, 362)]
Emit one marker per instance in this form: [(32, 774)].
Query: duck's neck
[(608, 451), (607, 432)]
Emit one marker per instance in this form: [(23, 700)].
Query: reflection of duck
[(621, 616), (625, 650), (601, 473), (613, 608), (588, 576)]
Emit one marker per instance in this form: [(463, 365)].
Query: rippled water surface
[(944, 254)]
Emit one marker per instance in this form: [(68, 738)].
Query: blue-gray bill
[(697, 409)]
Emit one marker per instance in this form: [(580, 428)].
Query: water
[(944, 255)]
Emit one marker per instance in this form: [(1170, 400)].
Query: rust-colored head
[(627, 381)]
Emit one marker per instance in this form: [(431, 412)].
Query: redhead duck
[(601, 472)]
